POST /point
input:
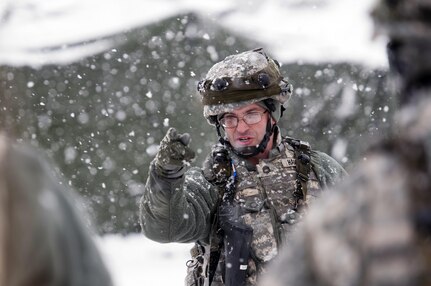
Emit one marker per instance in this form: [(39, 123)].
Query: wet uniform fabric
[(181, 209)]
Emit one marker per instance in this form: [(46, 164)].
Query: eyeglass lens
[(250, 118)]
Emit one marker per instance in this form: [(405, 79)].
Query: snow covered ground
[(134, 260)]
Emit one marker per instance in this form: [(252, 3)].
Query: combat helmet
[(408, 25), (403, 18), (243, 79)]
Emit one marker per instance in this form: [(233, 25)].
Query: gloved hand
[(217, 167), (174, 151)]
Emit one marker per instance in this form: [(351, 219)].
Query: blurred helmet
[(408, 26), (403, 18), (243, 79)]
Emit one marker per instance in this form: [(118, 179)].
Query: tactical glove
[(174, 152), (217, 167)]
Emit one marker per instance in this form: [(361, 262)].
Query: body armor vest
[(271, 203)]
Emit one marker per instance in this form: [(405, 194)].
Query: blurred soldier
[(254, 185), (377, 230), (43, 241)]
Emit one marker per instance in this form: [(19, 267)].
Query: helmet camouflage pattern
[(242, 79)]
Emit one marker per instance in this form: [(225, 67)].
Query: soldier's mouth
[(244, 140)]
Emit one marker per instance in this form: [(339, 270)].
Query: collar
[(277, 149)]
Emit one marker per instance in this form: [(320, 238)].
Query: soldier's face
[(245, 135)]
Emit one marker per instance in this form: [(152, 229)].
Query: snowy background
[(52, 31), (36, 33)]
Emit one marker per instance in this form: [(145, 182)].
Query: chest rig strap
[(302, 151)]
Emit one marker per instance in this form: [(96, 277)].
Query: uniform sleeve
[(177, 209), (327, 169)]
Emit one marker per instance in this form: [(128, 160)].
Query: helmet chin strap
[(248, 151)]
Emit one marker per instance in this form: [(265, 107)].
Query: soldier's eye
[(229, 121), (253, 117)]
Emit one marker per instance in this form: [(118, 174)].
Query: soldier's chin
[(246, 150)]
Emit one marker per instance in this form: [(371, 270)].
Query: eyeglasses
[(250, 118)]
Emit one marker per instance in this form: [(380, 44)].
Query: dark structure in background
[(101, 118), (43, 240), (375, 229)]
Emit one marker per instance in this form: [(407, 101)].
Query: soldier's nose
[(242, 126)]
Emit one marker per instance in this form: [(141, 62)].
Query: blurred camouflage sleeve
[(323, 249), (327, 169), (177, 209), (360, 237), (291, 268)]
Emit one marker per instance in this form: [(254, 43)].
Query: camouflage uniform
[(375, 228), (180, 205)]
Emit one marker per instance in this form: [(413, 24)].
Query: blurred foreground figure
[(376, 228), (43, 242)]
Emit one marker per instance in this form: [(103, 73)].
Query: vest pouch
[(250, 200), (263, 243), (253, 204)]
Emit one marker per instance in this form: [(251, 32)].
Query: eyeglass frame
[(261, 113)]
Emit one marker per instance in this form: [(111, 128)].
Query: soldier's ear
[(272, 118)]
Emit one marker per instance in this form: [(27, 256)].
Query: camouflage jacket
[(181, 209)]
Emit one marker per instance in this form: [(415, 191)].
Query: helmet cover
[(242, 79)]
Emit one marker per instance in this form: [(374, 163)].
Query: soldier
[(378, 232), (254, 186), (43, 241)]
